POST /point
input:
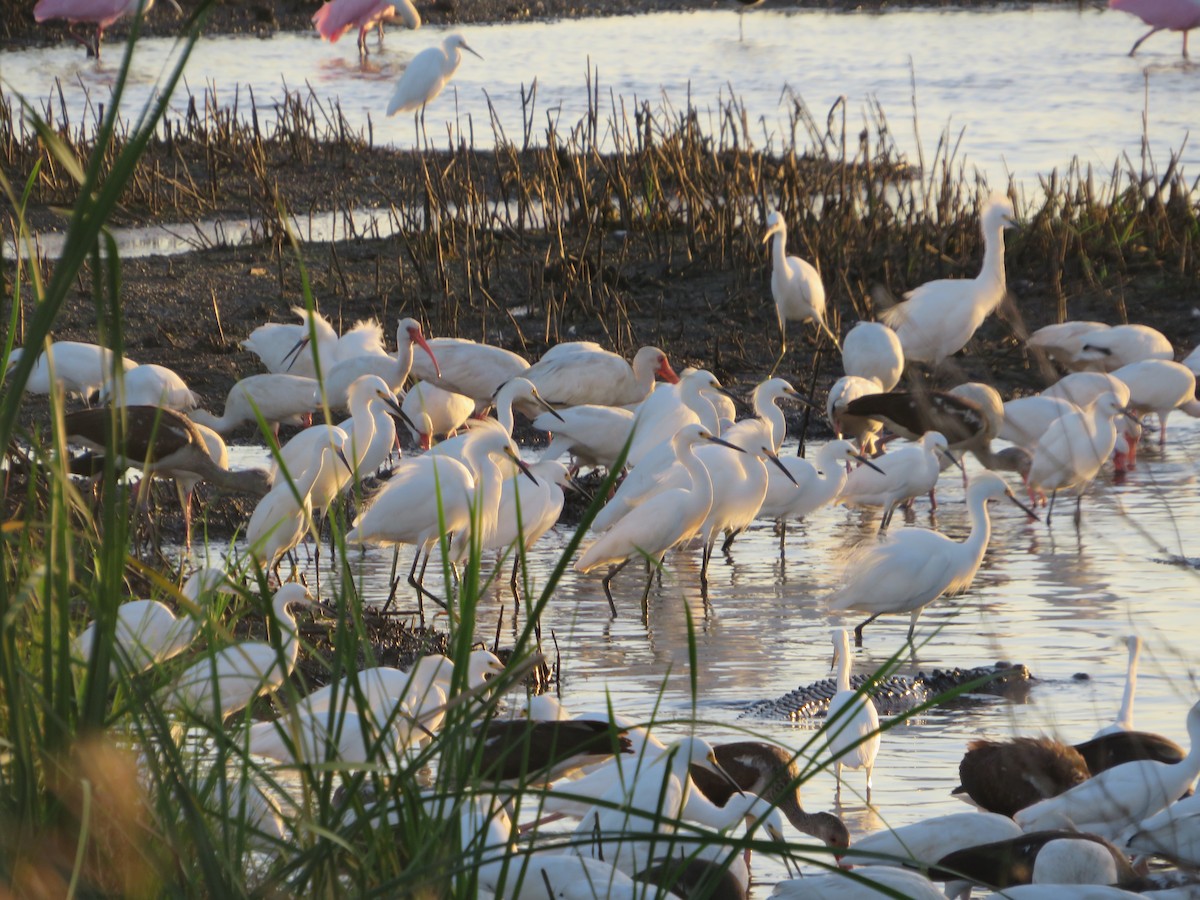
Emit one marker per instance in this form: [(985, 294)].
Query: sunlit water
[(1029, 88), (1058, 600)]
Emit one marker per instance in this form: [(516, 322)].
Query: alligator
[(897, 693)]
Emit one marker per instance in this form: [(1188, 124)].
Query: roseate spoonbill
[(1160, 15), (103, 12), (336, 17), (937, 319), (427, 73)]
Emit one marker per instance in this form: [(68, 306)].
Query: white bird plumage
[(427, 74), (852, 733), (795, 286)]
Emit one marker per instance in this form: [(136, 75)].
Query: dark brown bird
[(519, 748), (1008, 863), (160, 442), (771, 772), (911, 414), (1007, 776), (695, 878)]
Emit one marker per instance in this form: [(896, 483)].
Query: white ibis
[(583, 372), (80, 369), (277, 398)]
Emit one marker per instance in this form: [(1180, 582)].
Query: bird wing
[(907, 571)]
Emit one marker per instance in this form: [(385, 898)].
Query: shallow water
[(1058, 600), (1030, 88)]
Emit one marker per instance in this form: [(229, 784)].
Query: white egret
[(80, 369), (925, 842), (663, 521), (150, 385), (937, 319), (227, 680), (810, 486), (795, 285), (897, 477), (670, 408), (593, 435), (872, 350), (516, 393), (572, 374), (1112, 800), (1173, 833), (148, 632), (427, 73), (851, 729), (912, 568), (277, 398), (1026, 419), (281, 347), (765, 400), (1071, 452), (1124, 719)]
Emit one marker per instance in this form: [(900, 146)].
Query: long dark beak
[(717, 440), (537, 398), (345, 462), (469, 50), (866, 462), (774, 457), (294, 353), (397, 411), (520, 464), (1029, 511), (774, 834), (716, 767), (954, 459)]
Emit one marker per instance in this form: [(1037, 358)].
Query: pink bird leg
[(1162, 15), (101, 12), (337, 17)]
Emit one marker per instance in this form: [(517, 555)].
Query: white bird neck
[(993, 257), (1125, 715), (981, 528), (767, 409), (779, 250), (844, 662), (504, 411), (289, 639), (702, 488)]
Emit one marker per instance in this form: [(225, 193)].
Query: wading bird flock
[(691, 473)]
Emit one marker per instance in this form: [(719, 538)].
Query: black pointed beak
[(774, 457), (717, 440), (712, 761), (399, 413), (954, 459), (345, 462), (1028, 511), (546, 406), (866, 462), (294, 353), (521, 464)]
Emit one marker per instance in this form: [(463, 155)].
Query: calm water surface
[(1057, 600), (1029, 88)]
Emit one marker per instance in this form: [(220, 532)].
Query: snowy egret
[(576, 373), (529, 514), (1158, 386), (1124, 719), (336, 17), (150, 385), (896, 477), (103, 12), (229, 679), (425, 498), (765, 399), (1112, 348), (427, 73), (1173, 833), (810, 486), (909, 570), (739, 484), (148, 632), (1173, 15), (872, 350), (278, 398), (80, 369), (1117, 798), (282, 517), (671, 407), (852, 725), (470, 368), (281, 346), (516, 393), (1071, 452), (795, 285), (937, 319), (163, 443), (663, 521)]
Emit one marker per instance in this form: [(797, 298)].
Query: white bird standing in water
[(911, 569), (429, 72), (937, 319), (795, 285), (852, 724)]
